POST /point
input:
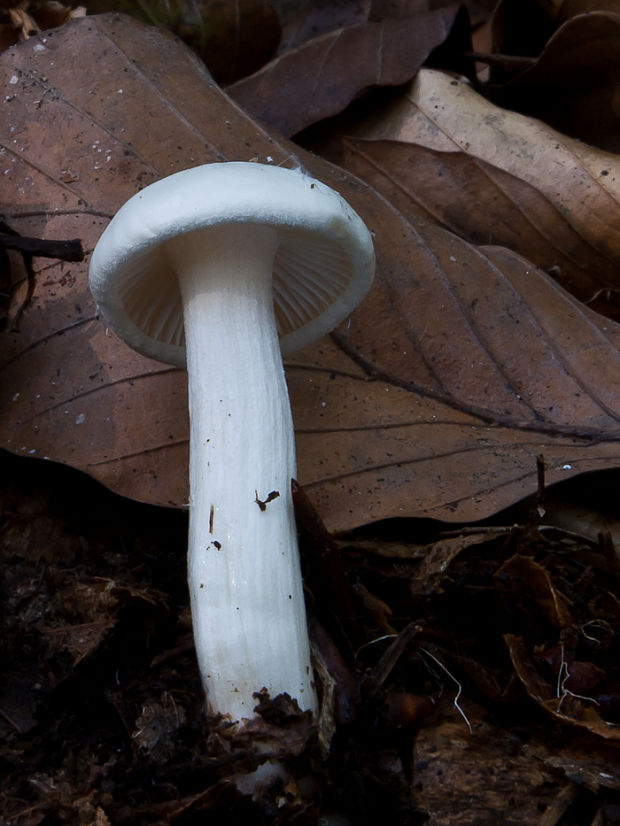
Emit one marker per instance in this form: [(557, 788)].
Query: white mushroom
[(221, 267)]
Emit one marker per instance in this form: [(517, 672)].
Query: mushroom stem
[(244, 574)]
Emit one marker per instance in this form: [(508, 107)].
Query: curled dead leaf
[(521, 574), (573, 84), (557, 700)]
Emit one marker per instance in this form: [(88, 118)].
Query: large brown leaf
[(459, 369), (444, 152), (485, 363), (318, 17), (322, 76)]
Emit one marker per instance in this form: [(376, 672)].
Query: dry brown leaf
[(574, 83), (560, 703), (522, 574), (494, 177), (459, 369), (472, 364), (319, 17), (321, 77)]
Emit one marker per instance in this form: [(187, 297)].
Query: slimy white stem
[(244, 576)]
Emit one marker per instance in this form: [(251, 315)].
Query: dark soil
[(468, 676)]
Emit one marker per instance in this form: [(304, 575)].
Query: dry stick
[(64, 250), (10, 239)]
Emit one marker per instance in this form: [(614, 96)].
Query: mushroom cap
[(323, 266)]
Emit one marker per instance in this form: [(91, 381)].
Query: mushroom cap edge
[(306, 212)]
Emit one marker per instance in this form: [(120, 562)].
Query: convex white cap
[(322, 269)]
